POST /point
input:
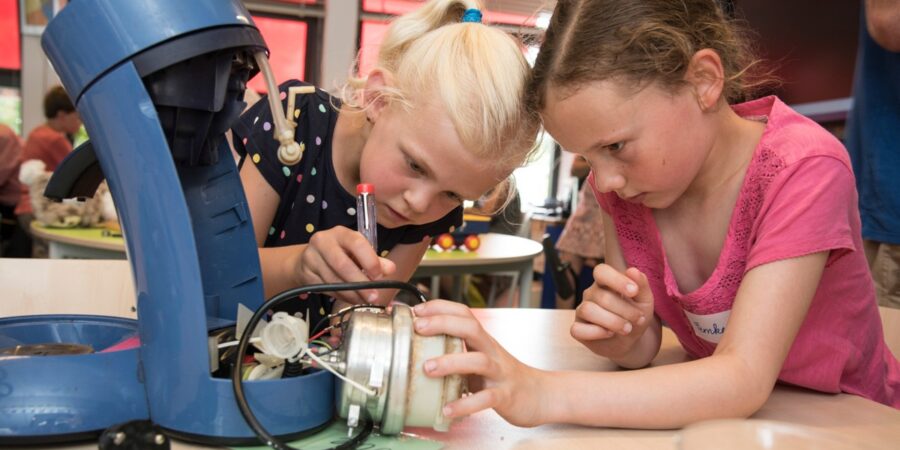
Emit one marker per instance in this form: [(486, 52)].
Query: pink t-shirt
[(798, 198)]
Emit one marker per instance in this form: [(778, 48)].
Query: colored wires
[(244, 342)]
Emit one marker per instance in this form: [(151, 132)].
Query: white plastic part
[(426, 395), (289, 151), (293, 92), (243, 317), (285, 336), (255, 340), (264, 372)]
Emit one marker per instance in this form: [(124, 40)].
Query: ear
[(706, 76), (374, 100)]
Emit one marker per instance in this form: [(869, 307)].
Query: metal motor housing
[(382, 351)]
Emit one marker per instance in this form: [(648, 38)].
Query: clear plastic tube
[(366, 222)]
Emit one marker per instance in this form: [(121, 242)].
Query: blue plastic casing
[(189, 235), (63, 397)]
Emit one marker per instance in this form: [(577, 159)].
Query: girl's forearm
[(662, 397), (277, 265)]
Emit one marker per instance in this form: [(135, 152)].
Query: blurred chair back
[(890, 321)]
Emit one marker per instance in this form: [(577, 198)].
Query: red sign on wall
[(286, 40), (10, 49)]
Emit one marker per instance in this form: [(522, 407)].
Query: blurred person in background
[(49, 142), (873, 140), (10, 189)]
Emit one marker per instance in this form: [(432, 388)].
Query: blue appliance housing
[(67, 397), (157, 84)]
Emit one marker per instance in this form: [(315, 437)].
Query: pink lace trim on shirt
[(643, 249)]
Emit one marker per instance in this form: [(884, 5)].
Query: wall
[(37, 77), (339, 40)]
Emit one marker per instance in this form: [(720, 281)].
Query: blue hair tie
[(472, 15)]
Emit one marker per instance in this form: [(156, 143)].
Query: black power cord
[(238, 385)]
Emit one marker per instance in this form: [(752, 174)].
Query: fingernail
[(373, 297), (429, 366), (631, 288), (641, 320), (421, 323), (419, 308), (627, 328), (446, 411)]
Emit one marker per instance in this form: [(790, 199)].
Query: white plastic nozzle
[(285, 336)]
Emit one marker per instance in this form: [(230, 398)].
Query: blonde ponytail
[(477, 73), (408, 28)]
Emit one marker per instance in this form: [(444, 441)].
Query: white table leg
[(525, 277)]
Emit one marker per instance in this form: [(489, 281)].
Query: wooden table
[(497, 253), (80, 243), (538, 337)]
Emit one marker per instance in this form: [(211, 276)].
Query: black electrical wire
[(238, 385)]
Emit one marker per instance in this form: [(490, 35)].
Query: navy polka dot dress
[(312, 198)]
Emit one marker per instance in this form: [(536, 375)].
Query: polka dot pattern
[(310, 198), (286, 170), (296, 219)]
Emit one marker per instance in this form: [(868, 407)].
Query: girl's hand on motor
[(615, 311), (342, 255), (496, 379)]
